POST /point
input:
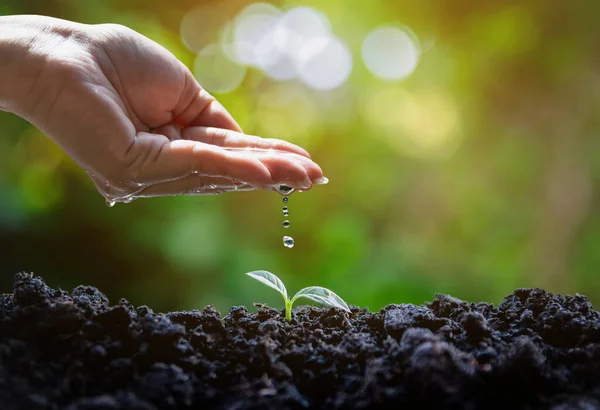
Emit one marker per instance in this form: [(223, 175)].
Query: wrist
[(16, 72), (26, 44)]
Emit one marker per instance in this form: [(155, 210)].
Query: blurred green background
[(476, 172)]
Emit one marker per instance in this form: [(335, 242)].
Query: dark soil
[(61, 350)]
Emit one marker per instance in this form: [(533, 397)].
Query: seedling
[(314, 293)]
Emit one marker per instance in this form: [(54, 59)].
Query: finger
[(231, 139), (277, 160), (172, 131), (287, 168), (274, 153), (195, 185), (285, 171), (198, 107), (157, 159)]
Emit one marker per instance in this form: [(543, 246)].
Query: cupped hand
[(134, 117)]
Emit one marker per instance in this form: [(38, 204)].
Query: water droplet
[(286, 213), (286, 224), (288, 241), (110, 203), (285, 199), (284, 189)]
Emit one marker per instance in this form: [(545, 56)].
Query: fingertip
[(301, 151), (288, 146), (321, 181), (285, 171), (215, 115), (223, 117), (313, 170), (199, 107)]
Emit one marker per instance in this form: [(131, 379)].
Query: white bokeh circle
[(390, 52), (216, 71), (326, 63)]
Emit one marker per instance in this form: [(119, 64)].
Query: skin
[(132, 115)]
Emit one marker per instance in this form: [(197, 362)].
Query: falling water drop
[(284, 189), (288, 241)]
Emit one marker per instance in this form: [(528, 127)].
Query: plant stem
[(288, 311)]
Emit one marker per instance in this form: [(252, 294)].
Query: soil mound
[(61, 350)]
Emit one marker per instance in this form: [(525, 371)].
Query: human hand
[(136, 120)]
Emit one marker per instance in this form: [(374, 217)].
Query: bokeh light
[(421, 124), (295, 44), (390, 52), (253, 42), (300, 24), (296, 29), (430, 124), (326, 63), (216, 72), (287, 111), (201, 26)]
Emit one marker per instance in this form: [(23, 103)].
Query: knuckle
[(113, 29)]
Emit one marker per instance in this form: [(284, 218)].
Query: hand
[(138, 122)]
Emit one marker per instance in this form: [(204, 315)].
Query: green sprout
[(314, 293)]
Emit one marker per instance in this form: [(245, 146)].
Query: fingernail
[(321, 181)]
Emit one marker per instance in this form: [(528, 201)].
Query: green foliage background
[(512, 200)]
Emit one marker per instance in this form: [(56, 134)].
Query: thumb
[(197, 107)]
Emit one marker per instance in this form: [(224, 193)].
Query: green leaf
[(269, 279), (322, 296)]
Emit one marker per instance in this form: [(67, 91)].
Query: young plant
[(314, 293)]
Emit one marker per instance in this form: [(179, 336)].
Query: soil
[(61, 350)]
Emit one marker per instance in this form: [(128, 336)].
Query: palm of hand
[(136, 120)]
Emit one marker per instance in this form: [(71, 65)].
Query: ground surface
[(61, 350)]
